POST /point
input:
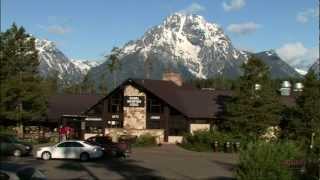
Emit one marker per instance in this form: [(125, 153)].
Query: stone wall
[(115, 133), (134, 117), (197, 127), (175, 139)]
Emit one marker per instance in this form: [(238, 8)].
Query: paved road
[(166, 162)]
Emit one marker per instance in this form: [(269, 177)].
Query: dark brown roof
[(190, 101), (64, 104)]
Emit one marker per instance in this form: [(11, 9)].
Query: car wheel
[(46, 155), (84, 157), (17, 153)]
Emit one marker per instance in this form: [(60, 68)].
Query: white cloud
[(243, 28), (307, 14), (58, 29), (194, 8), (297, 55), (233, 5)]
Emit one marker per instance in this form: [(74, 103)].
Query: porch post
[(166, 123)]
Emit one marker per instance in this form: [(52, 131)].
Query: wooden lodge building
[(165, 108)]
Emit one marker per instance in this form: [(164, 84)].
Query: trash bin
[(215, 146), (236, 146), (227, 147)]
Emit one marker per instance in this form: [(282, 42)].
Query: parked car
[(119, 149), (70, 149), (10, 145)]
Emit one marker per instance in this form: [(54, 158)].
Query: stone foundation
[(175, 139), (115, 133)]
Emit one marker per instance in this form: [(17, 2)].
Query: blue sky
[(89, 29)]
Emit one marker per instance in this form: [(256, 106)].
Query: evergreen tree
[(52, 83), (103, 89), (87, 86), (309, 105), (114, 64), (22, 96), (254, 107)]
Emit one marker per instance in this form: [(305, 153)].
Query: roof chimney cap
[(173, 77)]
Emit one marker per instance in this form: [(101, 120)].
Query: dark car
[(119, 149), (10, 145)]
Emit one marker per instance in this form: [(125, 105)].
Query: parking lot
[(165, 162)]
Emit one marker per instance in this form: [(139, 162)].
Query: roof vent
[(285, 89), (257, 87), (173, 77), (298, 87)]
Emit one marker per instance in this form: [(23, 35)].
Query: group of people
[(65, 132)]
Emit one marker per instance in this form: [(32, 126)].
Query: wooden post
[(166, 123)]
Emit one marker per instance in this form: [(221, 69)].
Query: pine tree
[(103, 89), (22, 95), (309, 105), (254, 107), (114, 64)]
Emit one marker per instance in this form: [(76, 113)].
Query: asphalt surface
[(166, 162)]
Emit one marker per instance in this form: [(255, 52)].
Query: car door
[(62, 150), (77, 149)]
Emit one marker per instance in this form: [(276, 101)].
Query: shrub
[(262, 160), (145, 140), (7, 130), (203, 140)]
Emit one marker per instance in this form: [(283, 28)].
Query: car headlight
[(28, 147)]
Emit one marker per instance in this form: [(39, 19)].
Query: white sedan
[(71, 149)]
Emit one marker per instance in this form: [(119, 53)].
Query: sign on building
[(134, 101), (93, 119)]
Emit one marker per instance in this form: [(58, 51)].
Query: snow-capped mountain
[(301, 71), (187, 44), (278, 68), (53, 60)]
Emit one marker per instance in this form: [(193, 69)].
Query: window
[(153, 124), (70, 144), (114, 123), (63, 144), (154, 106), (115, 105)]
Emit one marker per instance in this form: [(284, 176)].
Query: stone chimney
[(174, 77)]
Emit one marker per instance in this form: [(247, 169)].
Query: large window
[(154, 106), (115, 105), (153, 124), (114, 123)]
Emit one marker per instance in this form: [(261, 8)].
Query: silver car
[(71, 149)]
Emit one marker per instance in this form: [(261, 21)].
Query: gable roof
[(69, 104), (188, 100)]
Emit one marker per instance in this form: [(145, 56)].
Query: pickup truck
[(110, 148)]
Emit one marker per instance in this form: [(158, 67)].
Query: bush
[(7, 130), (203, 140), (145, 140), (262, 160)]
